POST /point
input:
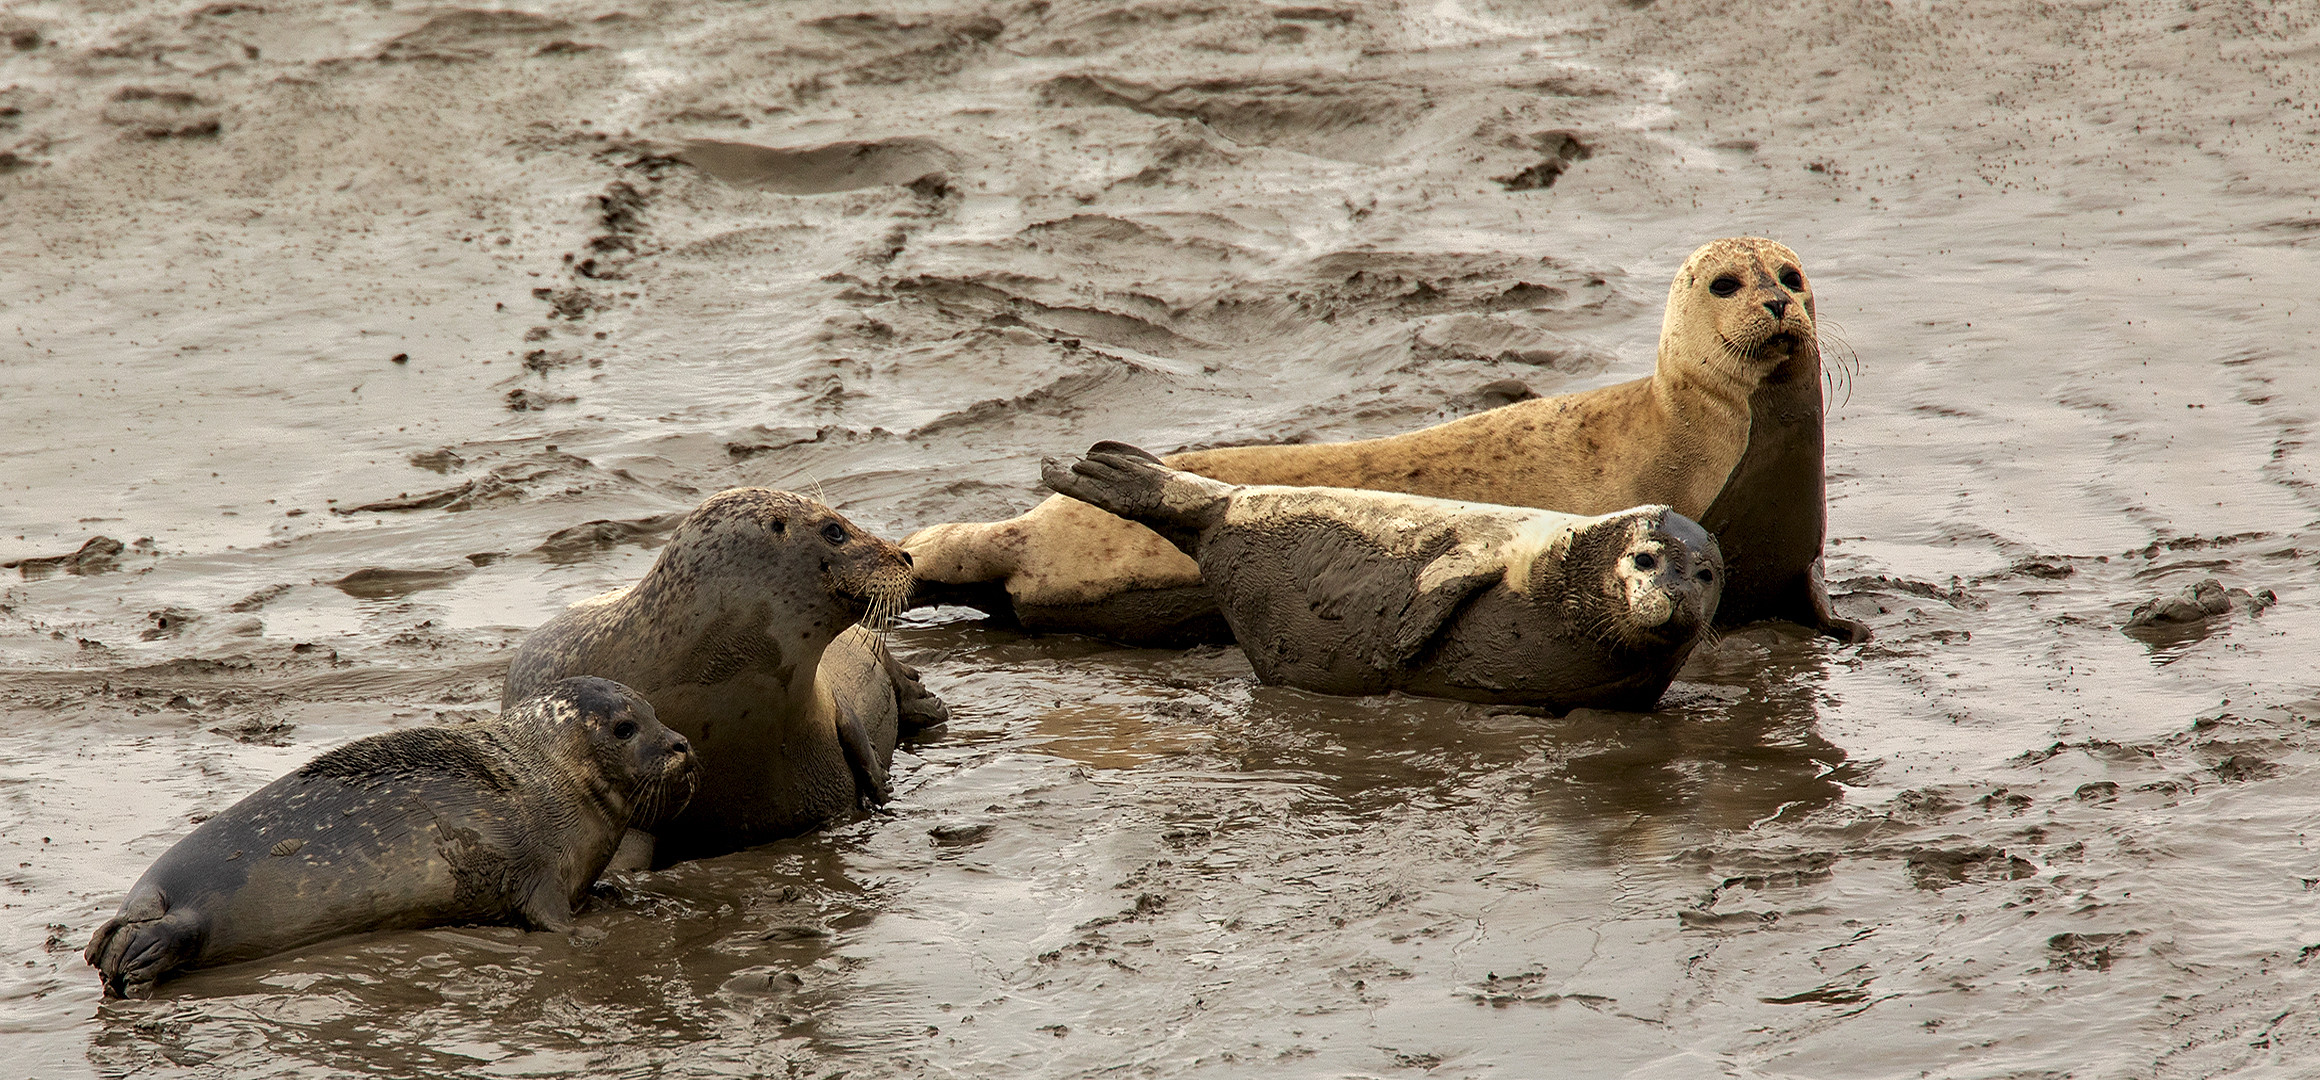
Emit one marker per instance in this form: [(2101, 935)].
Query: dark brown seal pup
[(1358, 592), (1727, 431), (503, 821), (739, 635)]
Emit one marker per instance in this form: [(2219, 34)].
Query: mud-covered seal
[(502, 821), (1354, 592)]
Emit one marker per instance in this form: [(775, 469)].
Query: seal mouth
[(885, 596), (667, 793)]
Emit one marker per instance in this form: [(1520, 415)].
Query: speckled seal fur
[(1355, 592), (1727, 431), (743, 635), (503, 821)]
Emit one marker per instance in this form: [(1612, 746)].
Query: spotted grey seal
[(507, 820), (1727, 431), (743, 635), (1355, 592)]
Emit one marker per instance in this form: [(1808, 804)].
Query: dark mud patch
[(822, 169), (382, 583), (1322, 115), (98, 555), (590, 537)]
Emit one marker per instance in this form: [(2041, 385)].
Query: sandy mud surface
[(367, 335)]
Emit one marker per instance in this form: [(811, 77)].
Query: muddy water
[(375, 333)]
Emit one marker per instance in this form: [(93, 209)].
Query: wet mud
[(340, 345)]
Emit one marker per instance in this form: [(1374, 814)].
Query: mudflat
[(370, 336)]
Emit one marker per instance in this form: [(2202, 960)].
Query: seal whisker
[(1839, 362)]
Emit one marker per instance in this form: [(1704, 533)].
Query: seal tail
[(1131, 483), (142, 943)]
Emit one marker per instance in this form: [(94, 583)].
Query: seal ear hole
[(834, 533), (780, 526), (1644, 561), (1790, 278), (624, 730), (1724, 286)]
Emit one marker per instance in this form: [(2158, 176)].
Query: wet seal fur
[(502, 821), (1359, 592), (744, 637), (1727, 431)]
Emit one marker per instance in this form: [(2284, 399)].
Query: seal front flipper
[(871, 782), (146, 941), (916, 708), (1131, 483), (547, 906), (1445, 583)]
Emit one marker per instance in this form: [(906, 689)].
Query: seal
[(502, 821), (1347, 591), (1727, 430), (743, 635)]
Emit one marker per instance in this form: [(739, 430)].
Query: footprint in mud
[(2087, 952), (162, 114), (1936, 869), (1559, 151), (2169, 625)]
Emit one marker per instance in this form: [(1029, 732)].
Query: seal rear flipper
[(145, 942), (871, 782), (1825, 617), (1130, 482)]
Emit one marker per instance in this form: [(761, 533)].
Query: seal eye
[(1790, 278), (1724, 286), (834, 533), (1706, 575), (1644, 561), (624, 730)]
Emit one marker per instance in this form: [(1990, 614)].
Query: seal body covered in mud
[(744, 637), (1726, 431), (503, 821), (1352, 592)]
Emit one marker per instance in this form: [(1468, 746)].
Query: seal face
[(1353, 592), (507, 820), (740, 636), (1727, 431)]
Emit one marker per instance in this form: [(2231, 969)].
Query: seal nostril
[(680, 747), (907, 560), (1778, 306)]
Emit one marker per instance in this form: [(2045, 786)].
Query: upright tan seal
[(506, 820), (744, 636), (1348, 591), (1727, 430)]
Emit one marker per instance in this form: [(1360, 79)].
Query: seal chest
[(504, 821), (1348, 591), (743, 635)]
